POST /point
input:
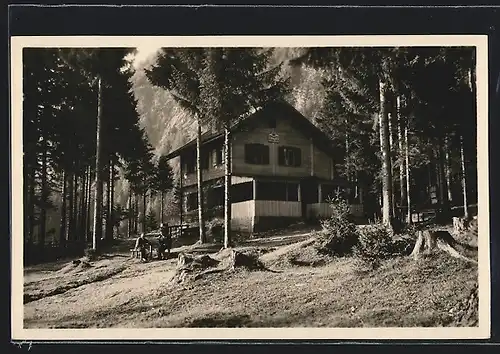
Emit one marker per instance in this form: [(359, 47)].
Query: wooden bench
[(137, 253)]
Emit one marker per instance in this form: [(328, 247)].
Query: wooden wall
[(278, 208), (288, 136), (242, 215)]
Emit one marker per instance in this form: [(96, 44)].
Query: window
[(289, 156), (283, 191), (241, 192), (218, 156), (192, 201), (257, 154)]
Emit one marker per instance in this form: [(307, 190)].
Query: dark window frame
[(257, 154), (218, 156), (289, 156)]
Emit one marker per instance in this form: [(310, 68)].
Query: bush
[(375, 242), (339, 235)]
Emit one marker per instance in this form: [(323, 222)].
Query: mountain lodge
[(283, 170)]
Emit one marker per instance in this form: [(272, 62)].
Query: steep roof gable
[(282, 108)]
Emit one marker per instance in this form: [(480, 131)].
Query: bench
[(136, 253)]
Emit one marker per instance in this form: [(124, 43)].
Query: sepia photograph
[(219, 183)]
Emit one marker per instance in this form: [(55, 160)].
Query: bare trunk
[(107, 222), (391, 149), (83, 206), (144, 211), (201, 219), (386, 159), (402, 154), (89, 199), (448, 171), (75, 209), (136, 211), (31, 217), (97, 232), (407, 169), (44, 195), (227, 188), (443, 186), (464, 178), (162, 195), (70, 229), (129, 211), (62, 227), (112, 199)]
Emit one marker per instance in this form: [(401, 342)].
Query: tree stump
[(428, 241), (460, 224), (245, 260)]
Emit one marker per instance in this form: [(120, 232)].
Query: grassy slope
[(120, 292)]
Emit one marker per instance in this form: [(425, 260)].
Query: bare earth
[(117, 291)]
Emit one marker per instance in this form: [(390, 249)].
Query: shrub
[(375, 242), (339, 235)]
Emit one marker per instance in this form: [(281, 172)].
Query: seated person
[(165, 241), (140, 245)]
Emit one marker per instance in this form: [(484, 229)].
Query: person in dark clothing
[(140, 245), (165, 241)]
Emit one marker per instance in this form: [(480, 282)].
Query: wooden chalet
[(283, 170)]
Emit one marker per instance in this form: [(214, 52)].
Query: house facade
[(283, 170)]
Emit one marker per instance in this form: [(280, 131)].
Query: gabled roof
[(295, 118)]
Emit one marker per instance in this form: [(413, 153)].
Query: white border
[(19, 333)]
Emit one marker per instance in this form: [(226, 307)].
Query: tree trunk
[(112, 200), (108, 201), (75, 208), (391, 159), (162, 195), (386, 159), (62, 228), (136, 211), (201, 219), (89, 199), (464, 178), (407, 169), (97, 232), (83, 206), (70, 229), (44, 195), (144, 211), (130, 213), (31, 217), (402, 153), (448, 171), (227, 188), (443, 186)]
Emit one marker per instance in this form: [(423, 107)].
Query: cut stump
[(428, 241)]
